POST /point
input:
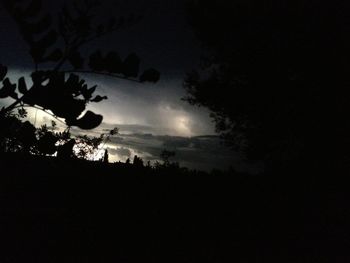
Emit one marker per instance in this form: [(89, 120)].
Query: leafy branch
[(51, 90)]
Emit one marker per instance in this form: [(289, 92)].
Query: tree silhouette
[(57, 87), (165, 155), (137, 162), (274, 77), (105, 157)]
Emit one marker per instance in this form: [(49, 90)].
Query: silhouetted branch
[(76, 31), (12, 106), (112, 132), (41, 109), (101, 73)]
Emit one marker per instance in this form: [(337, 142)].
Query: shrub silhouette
[(165, 155), (57, 85), (137, 162)]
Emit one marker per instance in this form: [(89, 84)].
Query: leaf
[(87, 93), (3, 72), (131, 66), (73, 84), (99, 98), (65, 106), (89, 121), (55, 56), (76, 59), (150, 75), (3, 93), (38, 77), (57, 95), (92, 89), (8, 89), (22, 86)]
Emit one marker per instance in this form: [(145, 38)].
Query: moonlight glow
[(182, 126)]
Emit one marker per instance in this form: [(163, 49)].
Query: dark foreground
[(55, 211)]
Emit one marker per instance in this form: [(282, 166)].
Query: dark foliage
[(66, 97), (137, 162), (165, 155), (58, 87), (56, 210), (18, 136), (275, 78), (47, 143)]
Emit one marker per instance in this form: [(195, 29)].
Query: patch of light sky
[(150, 118), (156, 107)]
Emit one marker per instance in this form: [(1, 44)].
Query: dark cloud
[(197, 152), (150, 117), (121, 151), (163, 40), (157, 109), (129, 128), (202, 152), (149, 145)]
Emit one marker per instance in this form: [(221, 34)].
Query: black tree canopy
[(275, 76)]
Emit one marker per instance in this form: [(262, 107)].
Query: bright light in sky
[(156, 109), (150, 117), (182, 126)]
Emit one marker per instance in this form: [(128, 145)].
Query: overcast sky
[(151, 117)]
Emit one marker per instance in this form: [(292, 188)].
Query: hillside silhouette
[(58, 210)]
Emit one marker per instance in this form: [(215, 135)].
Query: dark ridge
[(79, 211)]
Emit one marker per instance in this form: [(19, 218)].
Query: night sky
[(151, 117)]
